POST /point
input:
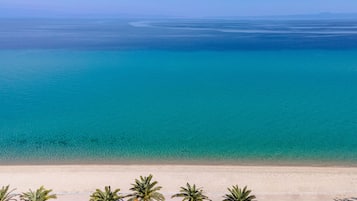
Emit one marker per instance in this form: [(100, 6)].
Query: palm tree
[(238, 194), (191, 193), (5, 194), (106, 195), (40, 194), (145, 190)]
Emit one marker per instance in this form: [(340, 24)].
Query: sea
[(215, 91)]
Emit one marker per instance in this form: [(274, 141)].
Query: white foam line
[(141, 24), (148, 24)]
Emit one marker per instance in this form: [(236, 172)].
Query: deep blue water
[(177, 34), (178, 90)]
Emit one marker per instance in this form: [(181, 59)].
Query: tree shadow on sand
[(346, 199)]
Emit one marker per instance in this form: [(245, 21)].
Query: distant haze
[(171, 8)]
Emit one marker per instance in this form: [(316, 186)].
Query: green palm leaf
[(6, 194), (40, 194), (106, 195), (238, 194), (191, 193), (145, 190)]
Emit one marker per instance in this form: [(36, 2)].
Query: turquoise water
[(113, 106)]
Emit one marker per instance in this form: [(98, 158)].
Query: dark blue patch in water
[(177, 34)]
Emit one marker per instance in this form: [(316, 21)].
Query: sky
[(171, 8)]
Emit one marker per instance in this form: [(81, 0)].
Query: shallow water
[(81, 105)]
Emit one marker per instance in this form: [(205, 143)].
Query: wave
[(283, 29)]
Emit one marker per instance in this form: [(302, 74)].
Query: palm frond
[(191, 193), (238, 194), (6, 194), (40, 194), (106, 195), (145, 190)]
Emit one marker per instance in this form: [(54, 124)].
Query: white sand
[(76, 182)]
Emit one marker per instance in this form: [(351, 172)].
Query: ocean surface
[(215, 91)]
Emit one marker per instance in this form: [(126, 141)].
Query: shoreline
[(193, 162), (285, 183)]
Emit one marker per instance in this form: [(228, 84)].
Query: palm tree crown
[(5, 194), (40, 194), (106, 195), (145, 190), (191, 193), (238, 194)]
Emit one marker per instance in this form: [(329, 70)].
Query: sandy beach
[(278, 183)]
